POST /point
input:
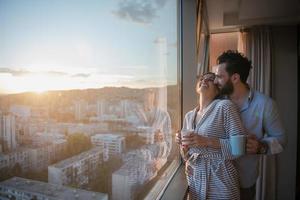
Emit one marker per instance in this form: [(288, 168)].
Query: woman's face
[(206, 86)]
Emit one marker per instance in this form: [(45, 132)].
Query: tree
[(4, 146), (77, 143), (134, 142), (16, 170), (36, 175), (103, 182), (5, 174)]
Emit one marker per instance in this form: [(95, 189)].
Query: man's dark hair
[(235, 63)]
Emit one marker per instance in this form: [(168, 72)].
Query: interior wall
[(285, 94), (220, 42)]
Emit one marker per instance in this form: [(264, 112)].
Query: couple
[(212, 171)]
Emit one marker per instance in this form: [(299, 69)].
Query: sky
[(78, 44)]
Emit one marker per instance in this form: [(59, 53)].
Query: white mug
[(185, 132)]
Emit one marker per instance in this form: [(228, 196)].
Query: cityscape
[(85, 144)]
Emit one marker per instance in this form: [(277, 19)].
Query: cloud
[(56, 73), (14, 72), (23, 72), (82, 75), (139, 11)]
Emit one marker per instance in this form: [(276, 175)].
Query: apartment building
[(26, 189)]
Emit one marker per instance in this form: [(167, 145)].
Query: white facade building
[(26, 189), (139, 168), (111, 144), (40, 158), (77, 170)]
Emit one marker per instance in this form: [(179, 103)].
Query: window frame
[(175, 186)]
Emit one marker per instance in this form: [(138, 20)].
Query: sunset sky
[(76, 44)]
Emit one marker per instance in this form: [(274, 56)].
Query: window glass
[(90, 96)]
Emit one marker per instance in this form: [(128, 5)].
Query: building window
[(93, 76)]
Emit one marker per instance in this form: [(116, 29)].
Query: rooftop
[(77, 158), (49, 190), (108, 136)]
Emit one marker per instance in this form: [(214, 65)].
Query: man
[(259, 114), (260, 118), (158, 122)]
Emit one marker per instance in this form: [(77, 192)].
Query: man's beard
[(227, 89)]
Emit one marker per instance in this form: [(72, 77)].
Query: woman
[(211, 173)]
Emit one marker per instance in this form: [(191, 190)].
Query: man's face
[(149, 99), (223, 80)]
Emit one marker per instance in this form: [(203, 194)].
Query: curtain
[(256, 44), (242, 42), (202, 39)]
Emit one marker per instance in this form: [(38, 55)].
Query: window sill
[(177, 187), (172, 188)]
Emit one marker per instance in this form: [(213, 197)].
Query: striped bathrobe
[(214, 175)]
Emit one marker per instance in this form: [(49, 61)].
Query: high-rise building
[(100, 108), (80, 109), (124, 108), (8, 132)]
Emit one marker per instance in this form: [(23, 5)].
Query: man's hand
[(253, 144)]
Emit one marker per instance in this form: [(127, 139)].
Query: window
[(92, 76)]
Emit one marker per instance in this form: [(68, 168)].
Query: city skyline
[(63, 45)]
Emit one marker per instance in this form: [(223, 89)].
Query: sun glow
[(42, 82), (38, 83)]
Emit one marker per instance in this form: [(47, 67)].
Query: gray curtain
[(258, 50)]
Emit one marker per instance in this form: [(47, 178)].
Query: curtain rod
[(230, 30)]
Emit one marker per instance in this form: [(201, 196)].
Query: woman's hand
[(178, 137), (195, 140), (158, 136)]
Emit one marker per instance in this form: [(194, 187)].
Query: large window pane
[(89, 97)]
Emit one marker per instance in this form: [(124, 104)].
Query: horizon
[(66, 90)]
